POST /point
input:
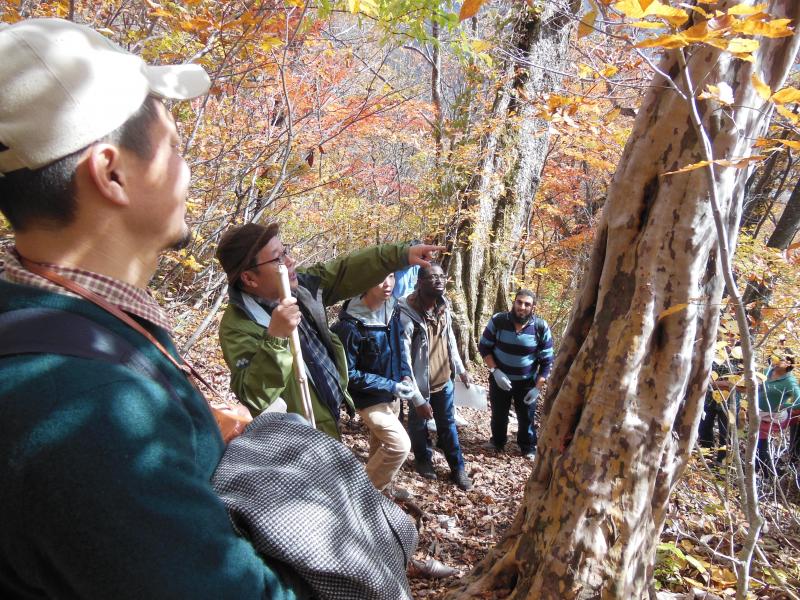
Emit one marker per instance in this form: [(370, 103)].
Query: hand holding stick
[(297, 355)]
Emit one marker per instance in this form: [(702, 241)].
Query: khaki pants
[(389, 444)]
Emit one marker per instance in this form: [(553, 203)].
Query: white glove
[(403, 390), (501, 379), (531, 396)]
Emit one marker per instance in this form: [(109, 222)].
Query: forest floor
[(458, 528)]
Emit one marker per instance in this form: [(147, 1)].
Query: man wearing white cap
[(108, 448)]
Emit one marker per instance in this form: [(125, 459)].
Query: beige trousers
[(389, 444)]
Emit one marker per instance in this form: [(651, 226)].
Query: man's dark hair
[(238, 247), (525, 292), (47, 195), (426, 271)]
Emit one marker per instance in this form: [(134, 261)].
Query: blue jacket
[(371, 343)]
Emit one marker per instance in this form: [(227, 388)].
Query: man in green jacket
[(256, 325)]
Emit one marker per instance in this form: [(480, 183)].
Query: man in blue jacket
[(518, 349), (378, 376), (106, 472)]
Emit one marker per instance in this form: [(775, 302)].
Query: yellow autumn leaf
[(722, 93), (469, 9), (794, 145), (584, 71), (647, 24), (268, 43), (587, 24), (664, 41), (742, 45), (675, 16), (629, 8), (609, 71), (687, 168), (736, 163), (786, 95), (701, 33), (745, 56), (762, 88), (771, 29), (767, 144), (743, 9), (739, 163), (672, 310), (788, 114)]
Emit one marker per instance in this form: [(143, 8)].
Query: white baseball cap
[(64, 86)]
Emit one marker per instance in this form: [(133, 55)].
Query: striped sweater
[(520, 355)]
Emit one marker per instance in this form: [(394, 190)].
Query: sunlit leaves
[(744, 9), (722, 93), (761, 88), (737, 163), (639, 9), (586, 25), (786, 95), (732, 31)]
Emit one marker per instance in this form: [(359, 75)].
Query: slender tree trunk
[(436, 91), (625, 395), (499, 196), (789, 223)]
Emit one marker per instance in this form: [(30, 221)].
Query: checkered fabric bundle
[(304, 499)]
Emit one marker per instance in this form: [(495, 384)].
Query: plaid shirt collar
[(131, 299)]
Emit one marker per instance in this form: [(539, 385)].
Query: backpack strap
[(53, 331)]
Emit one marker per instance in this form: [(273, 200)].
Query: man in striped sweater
[(518, 349)]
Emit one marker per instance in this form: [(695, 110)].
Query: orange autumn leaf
[(469, 9)]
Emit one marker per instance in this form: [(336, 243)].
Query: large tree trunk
[(499, 196), (625, 394)]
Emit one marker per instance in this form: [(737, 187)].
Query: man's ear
[(106, 170), (247, 280)]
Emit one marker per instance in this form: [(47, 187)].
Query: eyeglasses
[(278, 260), (442, 277)]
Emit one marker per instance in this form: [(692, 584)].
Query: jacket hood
[(357, 310), (404, 307)]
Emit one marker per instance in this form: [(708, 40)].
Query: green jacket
[(779, 394), (261, 365)]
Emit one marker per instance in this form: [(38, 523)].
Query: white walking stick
[(297, 355)]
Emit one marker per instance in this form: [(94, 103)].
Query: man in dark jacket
[(106, 472), (430, 348), (379, 376)]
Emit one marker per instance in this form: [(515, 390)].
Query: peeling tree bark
[(498, 199), (624, 397)]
